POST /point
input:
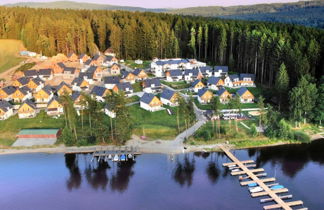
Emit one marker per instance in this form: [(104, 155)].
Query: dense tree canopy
[(255, 47)]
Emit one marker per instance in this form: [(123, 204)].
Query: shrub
[(67, 137), (301, 136), (253, 131)]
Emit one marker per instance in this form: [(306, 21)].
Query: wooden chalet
[(205, 96), (27, 110), (150, 102)]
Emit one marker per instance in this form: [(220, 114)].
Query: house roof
[(9, 90), (61, 85), (223, 68), (195, 82), (82, 55), (55, 98), (29, 103), (175, 73), (123, 86), (171, 61), (234, 76), (70, 70), (241, 91), (137, 71), (88, 62), (60, 64), (221, 91), (37, 81), (109, 58), (205, 69), (98, 91), (251, 76), (45, 72), (30, 73), (150, 82), (75, 95), (125, 74), (5, 105), (96, 57), (48, 89), (70, 54), (25, 90), (147, 98), (202, 91), (111, 80), (213, 80), (77, 81), (167, 94), (23, 80), (194, 72)]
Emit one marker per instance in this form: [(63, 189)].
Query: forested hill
[(255, 47), (81, 5)]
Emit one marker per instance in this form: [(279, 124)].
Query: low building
[(169, 97), (80, 84), (140, 74), (72, 57), (99, 93), (22, 94), (36, 137), (77, 99), (83, 58), (152, 85), (245, 95), (232, 81), (6, 93), (111, 81), (70, 73), (115, 69), (31, 73), (205, 96), (192, 75), (128, 77), (215, 82), (206, 71), (54, 107), (27, 110), (197, 85), (109, 111), (220, 71), (247, 80), (6, 110), (63, 88), (45, 74), (138, 61), (35, 84), (110, 60), (22, 81), (224, 95), (125, 88), (150, 102), (174, 75), (44, 95)]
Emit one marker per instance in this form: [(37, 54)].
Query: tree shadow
[(120, 180), (75, 179)]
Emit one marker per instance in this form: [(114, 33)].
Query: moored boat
[(116, 158), (277, 187), (255, 189)]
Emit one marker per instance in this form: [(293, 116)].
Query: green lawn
[(177, 85), (224, 106), (132, 64), (9, 53), (132, 99), (137, 87), (26, 66), (10, 127), (154, 125)]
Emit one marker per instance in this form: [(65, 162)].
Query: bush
[(301, 136), (253, 131), (67, 137)]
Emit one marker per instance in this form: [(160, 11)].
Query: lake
[(155, 181)]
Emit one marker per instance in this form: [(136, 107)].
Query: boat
[(236, 170), (277, 187), (130, 156), (255, 189), (116, 158), (109, 157), (123, 157), (253, 184)]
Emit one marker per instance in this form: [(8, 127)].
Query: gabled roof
[(25, 90), (45, 72), (111, 80), (75, 95), (171, 61), (109, 58), (125, 74), (195, 83), (202, 91), (98, 91), (70, 70), (167, 94), (82, 55), (223, 68), (55, 98), (241, 91), (77, 81), (96, 57), (9, 90), (70, 54), (23, 80), (5, 105), (115, 64), (251, 76), (147, 98), (137, 71), (213, 80), (30, 73), (124, 85), (233, 77), (194, 72), (48, 89), (29, 103), (221, 91), (37, 81), (150, 82), (88, 62), (61, 85), (61, 65), (175, 73), (205, 69)]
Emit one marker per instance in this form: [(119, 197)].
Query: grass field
[(224, 106), (9, 53), (177, 85), (156, 125), (132, 64), (9, 128)]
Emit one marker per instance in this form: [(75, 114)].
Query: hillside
[(80, 5), (9, 53)]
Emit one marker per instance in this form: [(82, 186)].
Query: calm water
[(191, 181)]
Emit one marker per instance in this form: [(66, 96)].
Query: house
[(160, 66), (27, 110), (60, 57), (169, 97), (150, 102), (215, 82), (83, 58), (224, 95), (128, 77), (6, 93), (110, 60), (98, 59), (125, 87), (205, 96), (110, 52), (80, 84), (72, 57), (220, 71), (174, 75), (197, 85), (152, 85), (192, 74), (99, 93), (115, 69), (54, 107), (6, 110), (70, 73), (94, 73), (45, 74), (138, 61), (109, 111), (58, 68), (31, 73), (247, 79), (245, 95), (206, 71), (77, 98), (111, 81), (63, 88), (22, 81), (35, 84), (44, 95), (140, 74), (21, 94), (232, 81)]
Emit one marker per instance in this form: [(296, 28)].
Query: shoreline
[(143, 149)]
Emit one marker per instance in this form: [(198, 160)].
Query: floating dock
[(273, 194)]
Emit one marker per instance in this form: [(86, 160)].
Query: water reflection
[(212, 172), (183, 173), (74, 181), (97, 175), (120, 179)]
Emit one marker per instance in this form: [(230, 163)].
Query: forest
[(255, 47)]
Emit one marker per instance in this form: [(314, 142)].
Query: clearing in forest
[(9, 53)]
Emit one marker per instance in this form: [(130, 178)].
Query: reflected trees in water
[(71, 162), (183, 173), (120, 179), (97, 175)]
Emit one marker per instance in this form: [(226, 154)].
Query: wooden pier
[(260, 182)]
